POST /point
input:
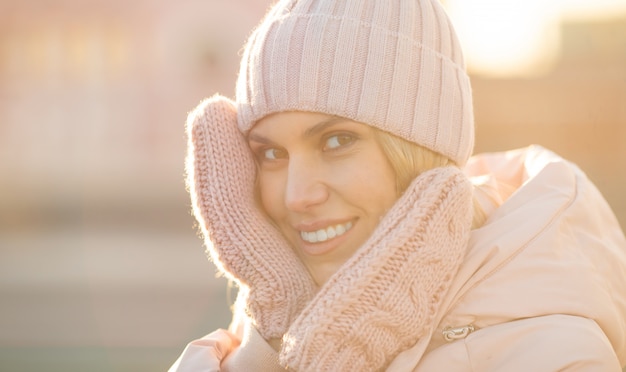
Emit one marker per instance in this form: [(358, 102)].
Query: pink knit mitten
[(242, 244), (384, 298)]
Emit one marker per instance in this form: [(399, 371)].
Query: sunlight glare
[(506, 37), (519, 38)]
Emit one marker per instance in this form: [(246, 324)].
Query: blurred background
[(101, 267)]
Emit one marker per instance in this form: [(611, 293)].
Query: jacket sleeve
[(206, 354), (254, 353), (547, 343), (221, 351)]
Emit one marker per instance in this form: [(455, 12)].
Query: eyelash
[(264, 151), (261, 152), (341, 135)]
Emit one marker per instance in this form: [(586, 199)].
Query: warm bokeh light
[(519, 38)]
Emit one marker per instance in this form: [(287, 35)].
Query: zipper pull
[(456, 333)]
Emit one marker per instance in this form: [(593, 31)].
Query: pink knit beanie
[(396, 65)]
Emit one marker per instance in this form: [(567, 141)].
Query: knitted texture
[(384, 298), (242, 244), (396, 65)]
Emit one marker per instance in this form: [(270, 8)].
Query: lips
[(322, 235)]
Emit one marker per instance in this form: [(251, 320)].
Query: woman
[(339, 193)]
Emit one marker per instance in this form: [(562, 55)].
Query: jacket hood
[(553, 246)]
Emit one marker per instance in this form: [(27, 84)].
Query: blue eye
[(337, 140)]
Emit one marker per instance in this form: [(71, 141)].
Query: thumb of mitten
[(240, 240)]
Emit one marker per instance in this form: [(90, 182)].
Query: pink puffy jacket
[(542, 288)]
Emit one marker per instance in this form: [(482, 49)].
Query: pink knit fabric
[(241, 242), (384, 298), (396, 65)]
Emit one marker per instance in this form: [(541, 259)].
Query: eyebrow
[(319, 127), (310, 132)]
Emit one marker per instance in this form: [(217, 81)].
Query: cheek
[(271, 195), (374, 183)]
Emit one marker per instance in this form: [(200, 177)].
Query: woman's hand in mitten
[(241, 242), (383, 299)]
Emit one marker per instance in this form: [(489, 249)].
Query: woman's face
[(325, 183)]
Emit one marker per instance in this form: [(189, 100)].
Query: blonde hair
[(409, 160)]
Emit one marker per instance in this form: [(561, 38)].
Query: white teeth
[(331, 233), (310, 237), (323, 235)]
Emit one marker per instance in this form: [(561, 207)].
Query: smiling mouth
[(323, 235)]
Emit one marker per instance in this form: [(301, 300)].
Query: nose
[(305, 186)]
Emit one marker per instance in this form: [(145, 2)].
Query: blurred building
[(578, 109), (100, 265), (101, 268), (96, 92)]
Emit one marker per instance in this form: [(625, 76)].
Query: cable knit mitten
[(383, 300), (242, 244)]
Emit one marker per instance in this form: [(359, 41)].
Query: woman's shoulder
[(552, 247)]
